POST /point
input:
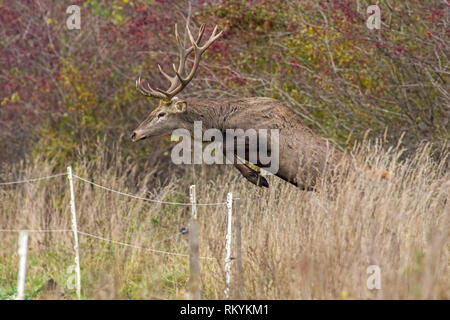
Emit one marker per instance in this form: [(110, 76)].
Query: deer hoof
[(262, 182)]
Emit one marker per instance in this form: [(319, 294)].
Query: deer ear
[(180, 106)]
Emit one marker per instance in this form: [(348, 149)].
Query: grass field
[(296, 244)]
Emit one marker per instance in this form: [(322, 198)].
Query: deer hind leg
[(251, 175)]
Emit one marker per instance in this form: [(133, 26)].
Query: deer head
[(169, 115)]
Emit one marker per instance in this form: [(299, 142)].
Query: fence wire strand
[(146, 199), (138, 247), (33, 180), (110, 190), (35, 231)]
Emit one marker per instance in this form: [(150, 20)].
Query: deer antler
[(178, 82)]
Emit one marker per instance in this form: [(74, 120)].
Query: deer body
[(303, 155)]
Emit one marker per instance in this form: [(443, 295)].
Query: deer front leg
[(248, 173)]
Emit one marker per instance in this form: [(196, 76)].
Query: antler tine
[(171, 79), (198, 51), (174, 68), (150, 92), (201, 32), (211, 39), (139, 86), (183, 54), (191, 38), (177, 82), (161, 93), (199, 37), (177, 36)]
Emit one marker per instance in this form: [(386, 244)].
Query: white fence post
[(23, 251), (193, 201), (239, 274), (75, 232), (228, 245), (194, 263)]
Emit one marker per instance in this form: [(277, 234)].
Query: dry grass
[(296, 245)]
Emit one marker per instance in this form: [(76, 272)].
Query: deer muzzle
[(136, 136)]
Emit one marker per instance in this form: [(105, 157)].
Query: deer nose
[(133, 136)]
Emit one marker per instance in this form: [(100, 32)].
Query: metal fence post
[(23, 251), (239, 281), (228, 245), (194, 263), (75, 232)]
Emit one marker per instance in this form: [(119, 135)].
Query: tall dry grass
[(296, 244)]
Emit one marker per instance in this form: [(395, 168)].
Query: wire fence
[(107, 240), (113, 191), (76, 232)]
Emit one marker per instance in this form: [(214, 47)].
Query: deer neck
[(213, 115)]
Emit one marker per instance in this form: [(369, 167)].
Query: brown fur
[(303, 155)]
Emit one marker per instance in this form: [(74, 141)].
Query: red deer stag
[(303, 155)]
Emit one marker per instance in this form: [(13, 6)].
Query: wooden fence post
[(194, 263)]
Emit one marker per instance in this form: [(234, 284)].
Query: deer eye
[(161, 114)]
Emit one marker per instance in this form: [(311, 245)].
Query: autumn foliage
[(62, 89)]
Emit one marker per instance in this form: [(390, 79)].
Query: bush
[(62, 89)]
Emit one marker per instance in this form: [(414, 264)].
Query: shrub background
[(61, 89)]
